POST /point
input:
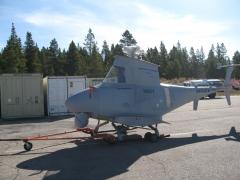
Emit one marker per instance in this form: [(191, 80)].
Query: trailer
[(21, 96), (56, 91)]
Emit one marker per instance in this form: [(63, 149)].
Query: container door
[(32, 96), (57, 95), (12, 97), (75, 85)]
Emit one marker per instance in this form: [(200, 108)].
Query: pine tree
[(127, 39), (236, 60), (182, 59), (211, 64), (31, 55), (62, 60), (200, 59), (173, 66), (194, 63), (74, 63), (163, 55), (153, 55), (117, 50), (12, 57), (186, 66), (95, 64), (90, 41), (221, 52), (106, 54), (43, 61), (53, 64)]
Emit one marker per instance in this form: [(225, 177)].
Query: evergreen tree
[(194, 63), (153, 56), (173, 66), (53, 64), (95, 64), (182, 59), (62, 60), (43, 61), (90, 41), (186, 67), (106, 54), (117, 50), (221, 52), (12, 57), (127, 39), (105, 51), (163, 55), (211, 64), (200, 59), (236, 60), (75, 64), (31, 55)]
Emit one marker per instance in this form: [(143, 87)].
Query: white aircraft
[(131, 95)]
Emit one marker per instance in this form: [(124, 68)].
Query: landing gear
[(152, 137), (27, 146), (121, 131)]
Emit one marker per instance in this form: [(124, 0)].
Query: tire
[(154, 138), (27, 146), (148, 136), (212, 96), (110, 141)]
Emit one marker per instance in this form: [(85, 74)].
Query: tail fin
[(227, 84)]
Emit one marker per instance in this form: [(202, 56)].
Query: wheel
[(154, 138), (28, 146), (147, 136), (109, 140), (212, 96)]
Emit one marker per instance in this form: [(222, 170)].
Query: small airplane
[(131, 95)]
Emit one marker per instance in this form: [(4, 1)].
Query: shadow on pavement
[(33, 120), (102, 161)]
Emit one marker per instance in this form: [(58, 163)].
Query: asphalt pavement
[(203, 144)]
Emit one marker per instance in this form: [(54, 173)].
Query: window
[(115, 75)]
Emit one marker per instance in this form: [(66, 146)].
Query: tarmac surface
[(200, 147)]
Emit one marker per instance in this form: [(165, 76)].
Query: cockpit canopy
[(115, 75), (132, 71)]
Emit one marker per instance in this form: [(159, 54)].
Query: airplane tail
[(227, 82), (227, 85), (226, 88)]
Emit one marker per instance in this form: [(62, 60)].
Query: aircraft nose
[(82, 102), (78, 102), (71, 104)]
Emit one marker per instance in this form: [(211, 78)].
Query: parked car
[(205, 82), (235, 84)]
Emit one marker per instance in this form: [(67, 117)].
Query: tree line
[(88, 60)]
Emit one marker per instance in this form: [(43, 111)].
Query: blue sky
[(193, 22)]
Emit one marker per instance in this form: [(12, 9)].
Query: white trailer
[(56, 91)]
